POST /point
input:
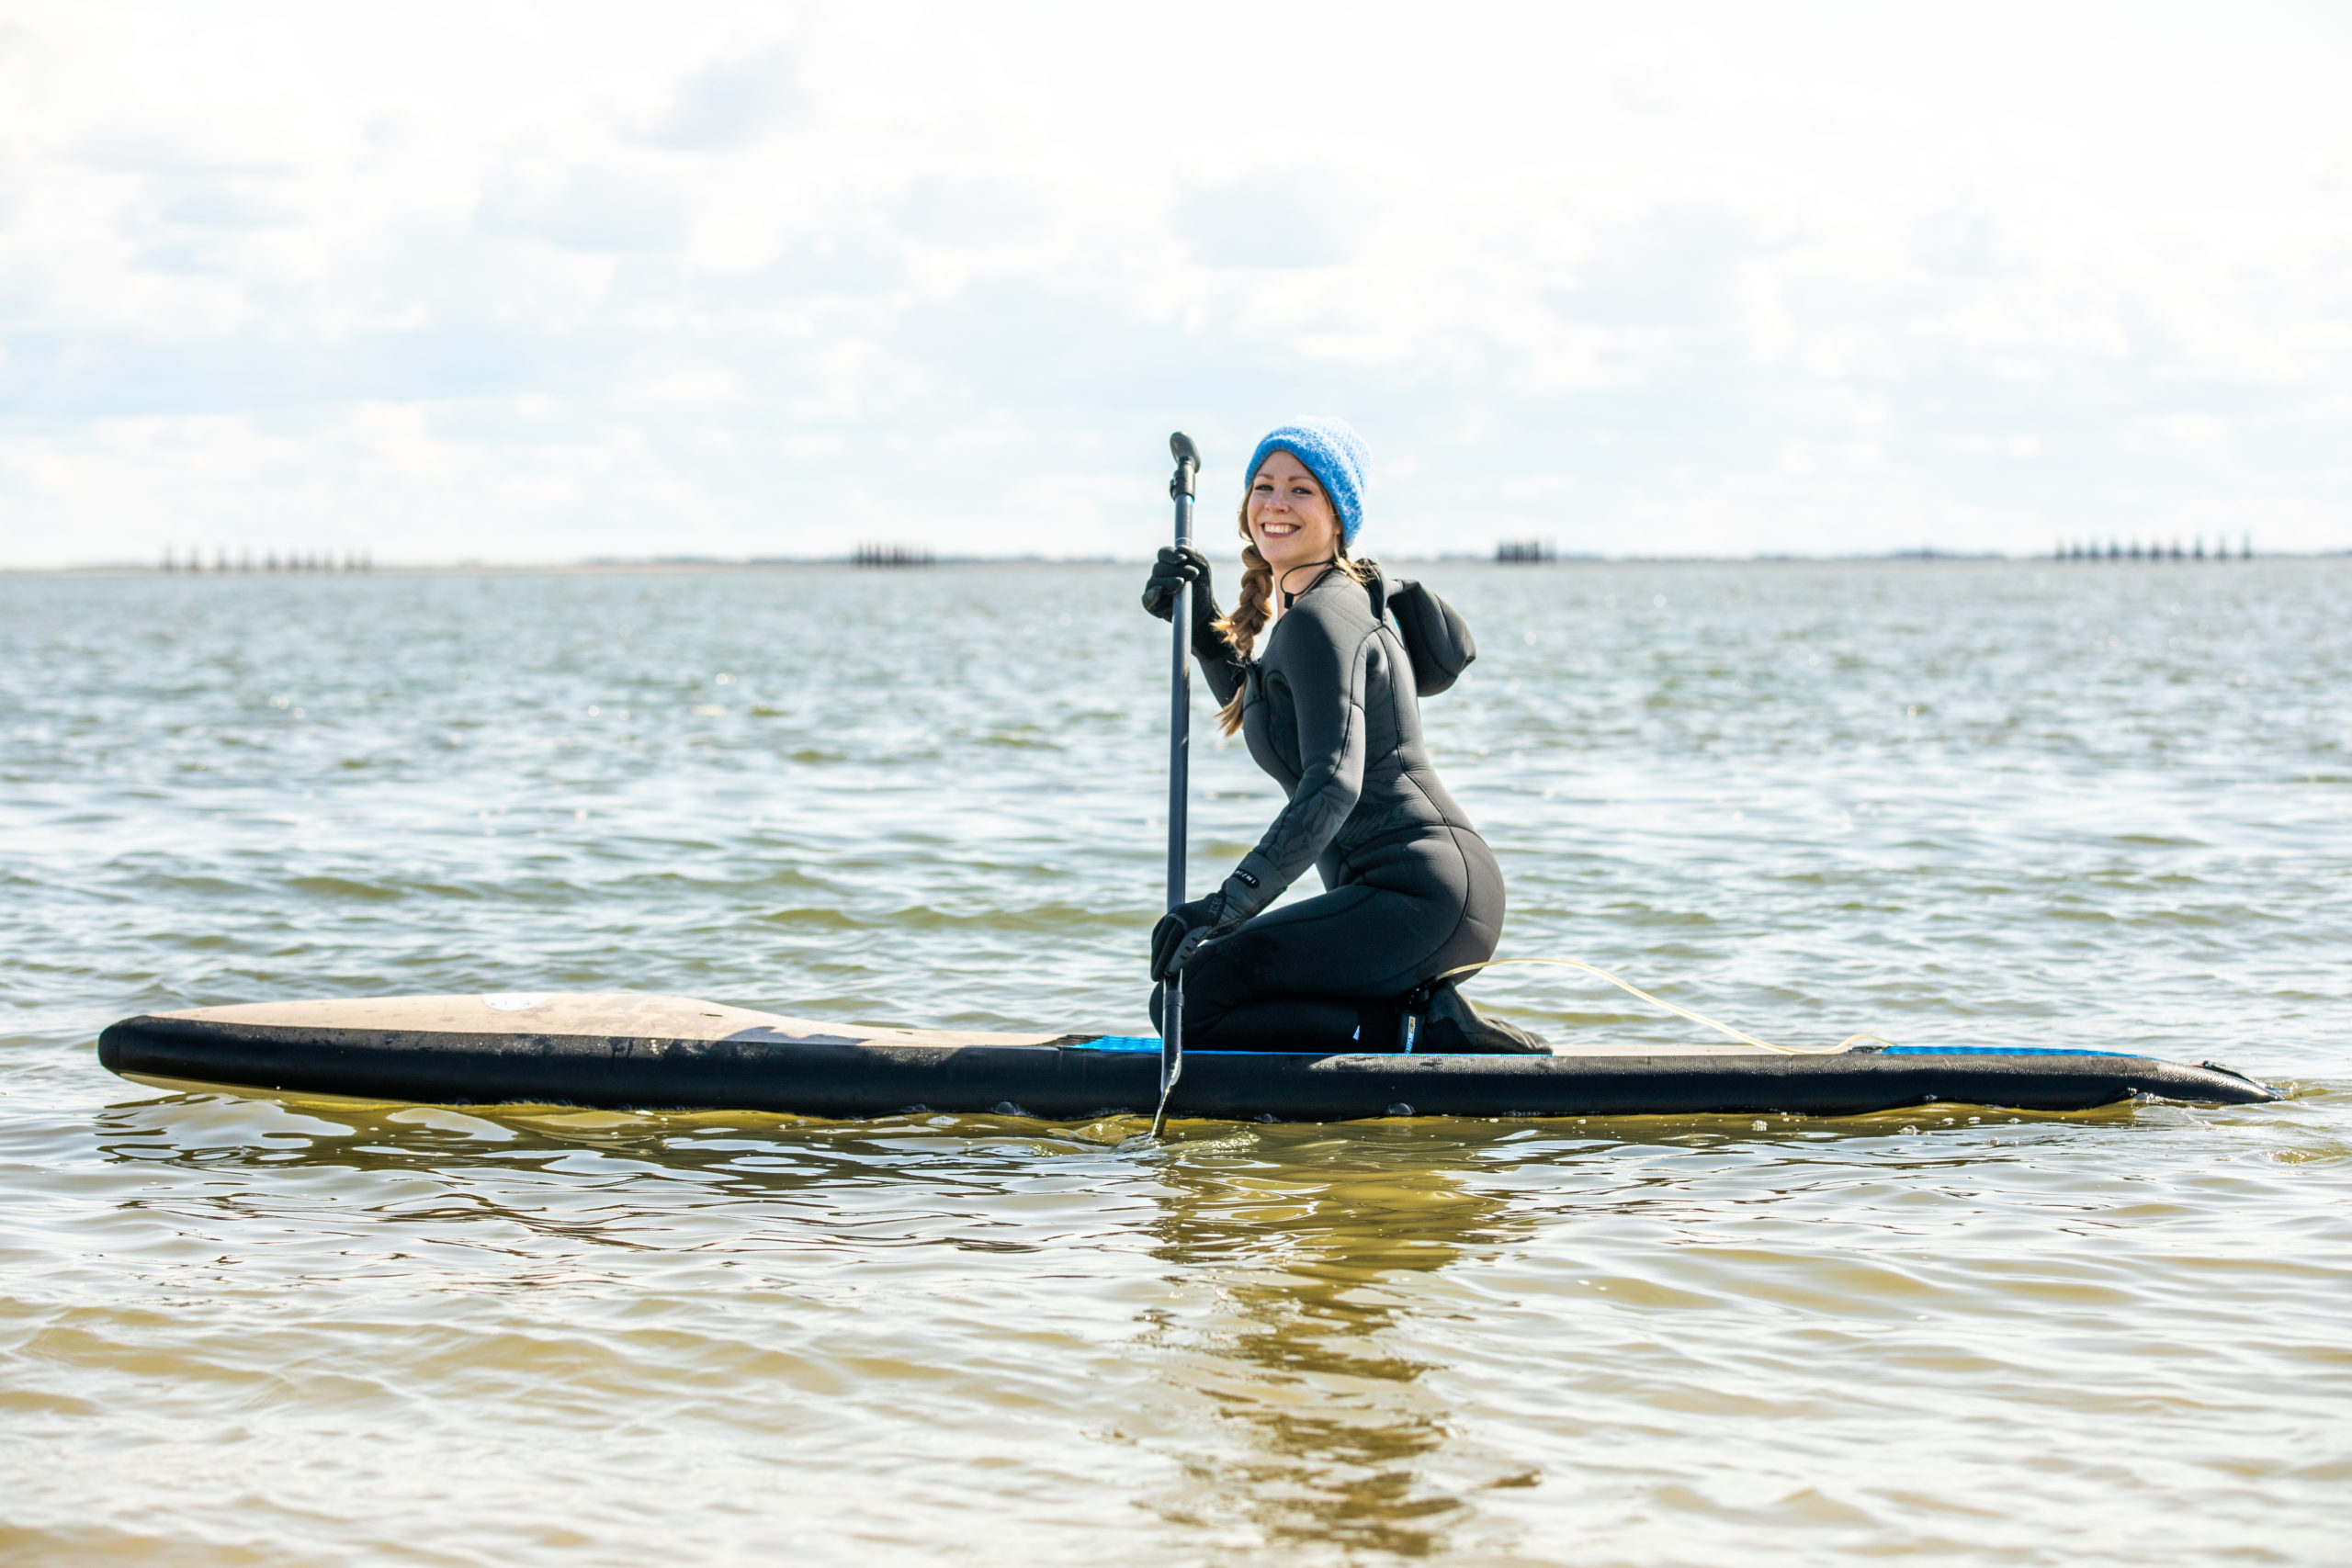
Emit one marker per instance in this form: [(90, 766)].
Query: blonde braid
[(1241, 627)]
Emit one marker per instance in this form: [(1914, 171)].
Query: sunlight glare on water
[(1952, 802)]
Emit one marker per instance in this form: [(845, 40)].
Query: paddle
[(1180, 742)]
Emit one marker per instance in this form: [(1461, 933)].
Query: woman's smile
[(1291, 520)]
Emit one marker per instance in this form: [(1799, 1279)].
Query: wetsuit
[(1411, 889)]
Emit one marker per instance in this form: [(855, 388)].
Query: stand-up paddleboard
[(628, 1051)]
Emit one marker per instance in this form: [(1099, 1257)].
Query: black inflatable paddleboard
[(625, 1050)]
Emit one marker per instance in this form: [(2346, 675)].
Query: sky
[(540, 282)]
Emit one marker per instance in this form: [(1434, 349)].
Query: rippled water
[(1947, 802)]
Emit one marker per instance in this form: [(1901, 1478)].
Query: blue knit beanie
[(1333, 453)]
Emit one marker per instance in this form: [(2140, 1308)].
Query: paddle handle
[(1179, 758)]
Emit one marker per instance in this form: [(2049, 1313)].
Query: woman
[(1328, 709)]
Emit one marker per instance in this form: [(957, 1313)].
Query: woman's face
[(1291, 520)]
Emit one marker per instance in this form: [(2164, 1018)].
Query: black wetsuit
[(1411, 889)]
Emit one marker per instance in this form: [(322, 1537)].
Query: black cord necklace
[(1289, 598)]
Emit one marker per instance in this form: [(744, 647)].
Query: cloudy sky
[(543, 281)]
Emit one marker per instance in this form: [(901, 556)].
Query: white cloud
[(730, 101), (531, 281)]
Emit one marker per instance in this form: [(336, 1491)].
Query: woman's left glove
[(1182, 929)]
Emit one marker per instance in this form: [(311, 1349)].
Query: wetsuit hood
[(1437, 640)]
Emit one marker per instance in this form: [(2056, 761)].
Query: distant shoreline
[(673, 565)]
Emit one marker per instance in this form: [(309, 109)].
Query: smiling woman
[(1331, 711)]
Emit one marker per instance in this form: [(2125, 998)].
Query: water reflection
[(1353, 1334), (1297, 1260), (1311, 1248), (554, 1187)]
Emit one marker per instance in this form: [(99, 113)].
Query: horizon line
[(918, 558)]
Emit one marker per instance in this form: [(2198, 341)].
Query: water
[(1950, 802)]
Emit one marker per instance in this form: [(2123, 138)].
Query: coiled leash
[(1417, 1007)]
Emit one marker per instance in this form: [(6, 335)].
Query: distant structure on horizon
[(270, 562), (892, 555), (1523, 552), (2153, 550)]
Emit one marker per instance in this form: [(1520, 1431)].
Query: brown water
[(1965, 804)]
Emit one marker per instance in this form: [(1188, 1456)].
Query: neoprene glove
[(1182, 929), (1171, 571)]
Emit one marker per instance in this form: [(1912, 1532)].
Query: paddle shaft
[(1180, 756)]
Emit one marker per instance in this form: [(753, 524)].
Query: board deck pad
[(641, 1014), (637, 1050)]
